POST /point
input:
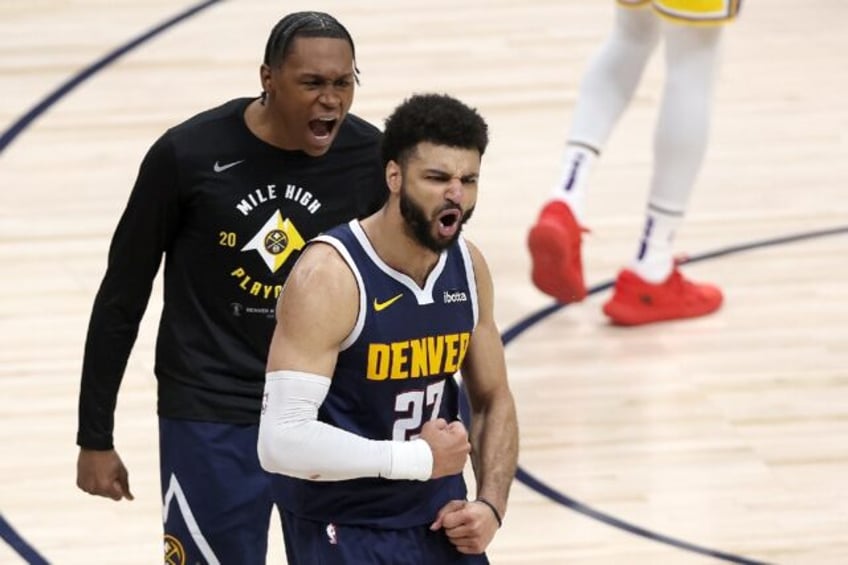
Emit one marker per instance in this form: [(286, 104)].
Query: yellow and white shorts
[(691, 11)]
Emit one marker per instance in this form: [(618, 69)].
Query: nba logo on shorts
[(331, 534)]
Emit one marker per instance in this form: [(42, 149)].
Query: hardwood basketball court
[(722, 439)]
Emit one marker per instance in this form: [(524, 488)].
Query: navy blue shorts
[(318, 543), (217, 500)]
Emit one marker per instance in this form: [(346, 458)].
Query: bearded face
[(438, 230)]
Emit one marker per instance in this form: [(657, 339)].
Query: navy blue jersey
[(395, 371)]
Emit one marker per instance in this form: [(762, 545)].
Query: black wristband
[(494, 510)]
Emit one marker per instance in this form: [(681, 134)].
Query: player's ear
[(394, 176), (265, 78)]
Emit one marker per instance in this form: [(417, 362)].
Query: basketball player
[(361, 406), (228, 197), (651, 288)]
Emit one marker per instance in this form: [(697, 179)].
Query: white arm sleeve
[(293, 442)]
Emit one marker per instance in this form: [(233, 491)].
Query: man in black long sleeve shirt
[(229, 198)]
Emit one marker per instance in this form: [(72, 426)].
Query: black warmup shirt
[(230, 213)]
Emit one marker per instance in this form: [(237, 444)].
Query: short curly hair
[(436, 118)]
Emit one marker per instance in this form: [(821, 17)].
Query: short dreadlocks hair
[(435, 118), (304, 24)]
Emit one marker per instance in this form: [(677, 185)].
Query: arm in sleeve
[(293, 442), (144, 232), (316, 311)]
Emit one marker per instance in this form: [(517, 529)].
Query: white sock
[(654, 259), (607, 87), (576, 166), (680, 142)]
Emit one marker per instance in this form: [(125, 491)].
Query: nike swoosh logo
[(383, 305), (221, 168)]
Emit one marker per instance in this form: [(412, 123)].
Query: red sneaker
[(554, 243), (635, 301)]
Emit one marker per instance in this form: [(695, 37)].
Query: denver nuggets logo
[(276, 242), (174, 552)]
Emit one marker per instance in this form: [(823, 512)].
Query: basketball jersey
[(394, 372)]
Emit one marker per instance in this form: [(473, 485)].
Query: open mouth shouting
[(322, 129), (448, 222)]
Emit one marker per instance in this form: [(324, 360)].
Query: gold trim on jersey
[(690, 11)]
